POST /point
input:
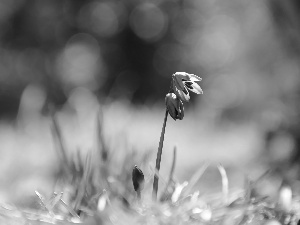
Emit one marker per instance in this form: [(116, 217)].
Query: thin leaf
[(178, 191), (61, 151), (196, 176), (54, 200), (84, 181), (156, 172), (225, 189), (164, 193), (101, 146), (73, 213)]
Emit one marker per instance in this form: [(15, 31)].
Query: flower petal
[(177, 81), (172, 105), (172, 113), (194, 77), (187, 76), (182, 75), (194, 87), (181, 110), (181, 94)]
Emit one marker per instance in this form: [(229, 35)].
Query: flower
[(174, 106), (182, 82)]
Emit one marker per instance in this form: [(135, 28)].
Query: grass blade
[(196, 176), (225, 188)]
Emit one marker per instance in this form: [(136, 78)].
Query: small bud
[(138, 179), (174, 106)]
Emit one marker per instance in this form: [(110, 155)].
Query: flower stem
[(158, 157)]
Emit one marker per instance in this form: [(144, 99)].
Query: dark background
[(136, 46), (129, 49)]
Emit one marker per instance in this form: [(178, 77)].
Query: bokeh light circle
[(148, 22), (80, 61), (219, 43), (103, 18)]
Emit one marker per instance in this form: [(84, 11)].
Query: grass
[(90, 204), (95, 191)]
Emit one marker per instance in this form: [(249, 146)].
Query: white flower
[(182, 82)]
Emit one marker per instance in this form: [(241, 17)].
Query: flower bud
[(174, 106), (137, 179)]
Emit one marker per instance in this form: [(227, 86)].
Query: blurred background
[(81, 59)]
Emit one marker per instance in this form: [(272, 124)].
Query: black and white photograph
[(150, 112)]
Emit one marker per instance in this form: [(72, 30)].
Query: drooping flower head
[(182, 82), (174, 106)]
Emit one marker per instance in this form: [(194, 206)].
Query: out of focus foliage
[(129, 49), (122, 49)]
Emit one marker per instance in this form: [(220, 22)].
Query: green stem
[(158, 157)]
